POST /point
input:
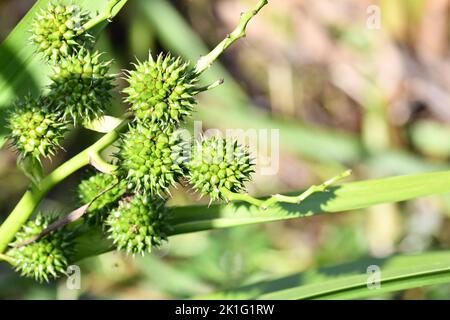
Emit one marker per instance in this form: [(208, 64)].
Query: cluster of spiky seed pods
[(152, 155), (80, 84)]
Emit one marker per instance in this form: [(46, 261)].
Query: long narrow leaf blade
[(348, 196), (352, 280)]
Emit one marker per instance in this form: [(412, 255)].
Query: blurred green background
[(343, 94)]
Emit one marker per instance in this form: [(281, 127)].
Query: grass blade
[(349, 281), (348, 196)]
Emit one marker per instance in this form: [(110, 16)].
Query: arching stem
[(301, 197), (110, 12), (279, 198), (232, 196), (8, 259), (97, 161), (206, 61)]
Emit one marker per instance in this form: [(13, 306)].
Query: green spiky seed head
[(46, 258), (55, 28), (91, 187), (161, 92), (138, 224), (81, 86), (35, 130), (218, 163), (150, 160)]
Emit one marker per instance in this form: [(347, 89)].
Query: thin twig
[(232, 196), (205, 62), (107, 15), (71, 217), (97, 161), (301, 197), (278, 198), (8, 259)]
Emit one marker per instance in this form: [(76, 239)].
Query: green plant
[(150, 159), (161, 92), (151, 156), (127, 198), (92, 186)]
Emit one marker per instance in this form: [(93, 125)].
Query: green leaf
[(346, 197), (350, 281)]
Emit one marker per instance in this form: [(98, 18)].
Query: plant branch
[(71, 217), (277, 198), (301, 197), (339, 198), (232, 196), (97, 161), (8, 259), (37, 192), (110, 12), (205, 61)]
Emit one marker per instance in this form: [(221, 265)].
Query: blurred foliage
[(340, 93)]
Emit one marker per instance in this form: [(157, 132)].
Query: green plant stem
[(232, 196), (301, 197), (33, 196), (97, 161), (205, 62), (210, 86), (276, 198), (8, 259), (110, 12)]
